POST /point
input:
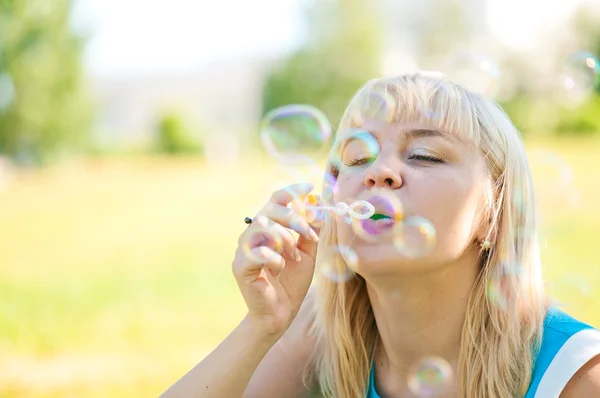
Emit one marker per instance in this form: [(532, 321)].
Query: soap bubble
[(386, 211), (356, 144), (430, 377), (414, 237), (261, 236), (292, 134), (475, 71), (376, 105), (331, 266), (579, 75)]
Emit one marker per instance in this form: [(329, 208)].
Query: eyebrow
[(418, 133)]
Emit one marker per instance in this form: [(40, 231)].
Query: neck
[(419, 315)]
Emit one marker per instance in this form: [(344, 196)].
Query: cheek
[(456, 215), (347, 186)]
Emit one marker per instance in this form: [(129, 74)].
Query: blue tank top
[(567, 344)]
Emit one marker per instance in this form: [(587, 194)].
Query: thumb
[(307, 246)]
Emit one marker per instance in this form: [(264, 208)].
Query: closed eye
[(358, 161), (427, 158)]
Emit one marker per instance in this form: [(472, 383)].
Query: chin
[(385, 258)]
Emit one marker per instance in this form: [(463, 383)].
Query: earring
[(486, 244)]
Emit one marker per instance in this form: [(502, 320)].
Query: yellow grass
[(115, 275)]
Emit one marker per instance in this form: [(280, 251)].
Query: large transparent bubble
[(338, 264), (295, 134), (414, 237), (475, 71), (579, 76)]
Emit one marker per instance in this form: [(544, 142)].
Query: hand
[(272, 270)]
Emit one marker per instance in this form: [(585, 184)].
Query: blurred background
[(130, 154)]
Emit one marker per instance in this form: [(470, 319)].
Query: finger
[(258, 258), (286, 195), (307, 247), (266, 232), (289, 218), (316, 214)]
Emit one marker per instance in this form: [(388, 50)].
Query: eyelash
[(426, 158), (357, 161)]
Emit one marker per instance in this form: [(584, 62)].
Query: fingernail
[(313, 235), (291, 253), (298, 257)]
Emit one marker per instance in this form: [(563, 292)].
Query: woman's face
[(433, 175)]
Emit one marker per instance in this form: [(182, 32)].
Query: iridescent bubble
[(430, 377), (338, 264), (414, 237), (474, 71), (579, 75), (330, 187), (261, 236), (292, 134), (386, 211), (498, 289), (361, 210), (308, 173), (284, 175), (356, 145), (280, 177), (377, 105), (310, 208)]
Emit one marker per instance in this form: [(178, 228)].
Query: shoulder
[(569, 358), (586, 382)]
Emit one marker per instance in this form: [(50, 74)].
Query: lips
[(373, 227), (384, 208)]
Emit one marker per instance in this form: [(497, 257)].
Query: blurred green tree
[(341, 52), (445, 30), (173, 137), (44, 110)]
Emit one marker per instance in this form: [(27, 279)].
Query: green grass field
[(115, 274)]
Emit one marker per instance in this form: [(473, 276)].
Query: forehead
[(398, 132)]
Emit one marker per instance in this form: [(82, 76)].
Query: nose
[(383, 174)]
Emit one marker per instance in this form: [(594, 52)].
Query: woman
[(474, 300)]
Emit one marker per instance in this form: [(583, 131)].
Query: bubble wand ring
[(361, 209)]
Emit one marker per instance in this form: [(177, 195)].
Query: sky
[(178, 36)]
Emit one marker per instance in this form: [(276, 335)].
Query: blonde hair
[(499, 342)]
